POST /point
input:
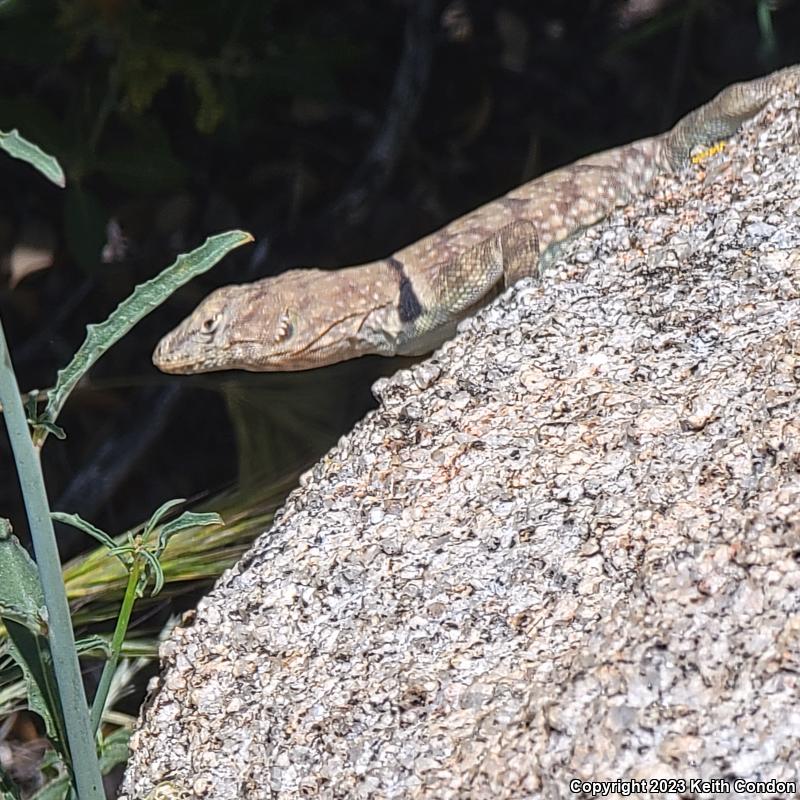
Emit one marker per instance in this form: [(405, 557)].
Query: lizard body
[(410, 302)]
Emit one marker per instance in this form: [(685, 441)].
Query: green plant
[(33, 601)]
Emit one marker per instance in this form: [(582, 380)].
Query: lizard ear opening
[(285, 328)]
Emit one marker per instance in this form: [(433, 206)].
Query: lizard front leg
[(519, 244), (450, 289)]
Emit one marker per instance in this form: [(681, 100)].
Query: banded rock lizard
[(410, 302)]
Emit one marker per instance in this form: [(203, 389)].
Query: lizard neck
[(391, 304), (404, 319)]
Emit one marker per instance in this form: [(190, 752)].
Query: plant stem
[(116, 643), (83, 753)]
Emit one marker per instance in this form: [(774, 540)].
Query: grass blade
[(61, 637)]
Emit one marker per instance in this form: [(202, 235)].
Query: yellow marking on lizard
[(703, 155)]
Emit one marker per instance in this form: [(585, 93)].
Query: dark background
[(336, 132)]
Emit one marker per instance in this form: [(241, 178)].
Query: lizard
[(411, 301)]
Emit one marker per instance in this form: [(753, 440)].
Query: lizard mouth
[(171, 360), (166, 362)]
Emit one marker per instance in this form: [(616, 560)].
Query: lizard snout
[(165, 356)]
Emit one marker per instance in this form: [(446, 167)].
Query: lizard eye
[(285, 328), (210, 324)]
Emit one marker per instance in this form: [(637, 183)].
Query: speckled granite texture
[(566, 547)]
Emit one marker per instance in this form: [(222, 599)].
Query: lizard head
[(298, 320)]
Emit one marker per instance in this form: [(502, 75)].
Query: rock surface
[(566, 547)]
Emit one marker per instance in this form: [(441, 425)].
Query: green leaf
[(123, 550), (19, 581), (155, 567), (159, 514), (145, 71), (50, 427), (51, 764), (114, 749), (30, 115), (82, 525), (35, 623), (55, 790), (18, 146), (189, 519), (146, 297), (21, 604), (32, 654)]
